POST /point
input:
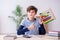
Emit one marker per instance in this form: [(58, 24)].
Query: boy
[(31, 25)]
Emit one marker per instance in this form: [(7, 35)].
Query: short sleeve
[(23, 22)]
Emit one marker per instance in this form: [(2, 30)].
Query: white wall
[(0, 23), (7, 6), (55, 25)]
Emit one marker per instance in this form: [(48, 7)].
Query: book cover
[(47, 16)]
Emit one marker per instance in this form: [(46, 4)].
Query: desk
[(34, 37), (2, 37), (39, 37)]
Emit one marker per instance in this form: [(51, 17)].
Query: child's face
[(31, 14)]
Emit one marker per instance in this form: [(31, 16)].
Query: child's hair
[(32, 8)]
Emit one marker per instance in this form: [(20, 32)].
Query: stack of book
[(54, 33)]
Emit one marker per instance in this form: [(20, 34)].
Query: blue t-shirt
[(26, 23)]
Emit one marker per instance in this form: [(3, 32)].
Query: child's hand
[(41, 20), (31, 27)]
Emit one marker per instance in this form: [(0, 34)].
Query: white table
[(38, 37), (7, 36), (34, 37), (2, 37)]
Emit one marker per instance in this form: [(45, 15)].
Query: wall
[(0, 23), (7, 6)]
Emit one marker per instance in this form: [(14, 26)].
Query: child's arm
[(31, 27), (42, 30), (21, 30)]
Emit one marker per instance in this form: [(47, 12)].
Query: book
[(47, 16), (54, 33)]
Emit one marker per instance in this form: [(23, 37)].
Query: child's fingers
[(41, 20)]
